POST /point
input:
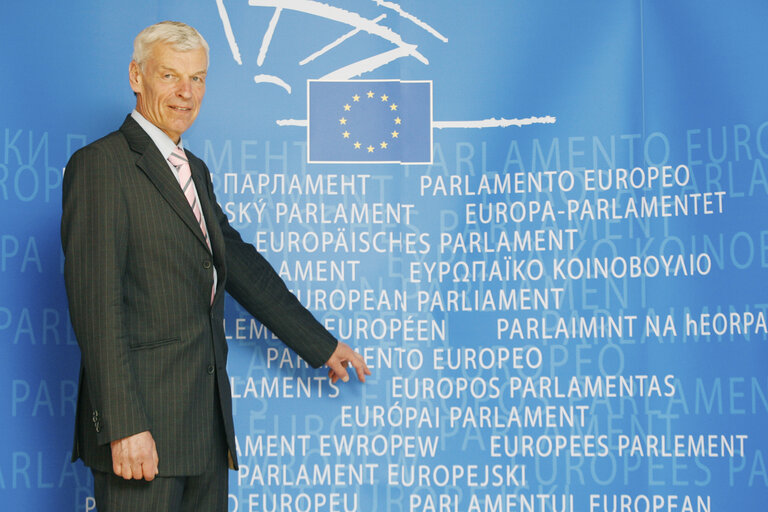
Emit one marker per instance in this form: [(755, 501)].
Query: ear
[(134, 77)]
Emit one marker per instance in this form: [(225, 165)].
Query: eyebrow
[(174, 70)]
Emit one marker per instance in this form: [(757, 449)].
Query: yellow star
[(383, 145), (356, 98), (395, 134), (370, 149), (384, 97), (393, 107), (398, 120), (347, 107), (370, 94), (346, 134), (342, 121), (357, 145)]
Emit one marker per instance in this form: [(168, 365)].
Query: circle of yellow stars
[(382, 145)]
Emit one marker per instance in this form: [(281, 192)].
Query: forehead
[(165, 55)]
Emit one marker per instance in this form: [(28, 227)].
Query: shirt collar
[(158, 136)]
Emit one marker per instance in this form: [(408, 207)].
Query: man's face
[(170, 88)]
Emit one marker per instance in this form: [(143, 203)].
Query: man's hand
[(135, 457), (342, 357)]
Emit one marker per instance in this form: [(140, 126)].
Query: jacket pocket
[(152, 344)]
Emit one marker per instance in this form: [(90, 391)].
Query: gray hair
[(179, 35)]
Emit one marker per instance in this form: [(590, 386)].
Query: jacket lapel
[(211, 220), (152, 163), (207, 206)]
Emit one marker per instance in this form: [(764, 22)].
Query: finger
[(339, 370), (345, 364), (117, 468), (136, 471), (150, 467), (126, 471), (361, 368), (149, 471)]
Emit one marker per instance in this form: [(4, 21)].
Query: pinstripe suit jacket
[(138, 275)]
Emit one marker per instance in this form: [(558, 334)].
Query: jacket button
[(207, 264), (210, 369), (97, 426)]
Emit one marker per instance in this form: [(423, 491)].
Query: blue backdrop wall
[(549, 244)]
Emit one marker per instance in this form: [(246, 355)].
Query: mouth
[(180, 109)]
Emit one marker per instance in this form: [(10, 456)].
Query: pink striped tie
[(179, 160)]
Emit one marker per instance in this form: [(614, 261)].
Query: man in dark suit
[(148, 256)]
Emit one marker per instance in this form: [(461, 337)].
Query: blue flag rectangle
[(369, 121)]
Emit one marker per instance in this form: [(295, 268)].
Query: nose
[(184, 88)]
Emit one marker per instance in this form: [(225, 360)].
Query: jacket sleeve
[(253, 282), (94, 238)]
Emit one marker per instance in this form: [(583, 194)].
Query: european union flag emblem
[(370, 121)]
